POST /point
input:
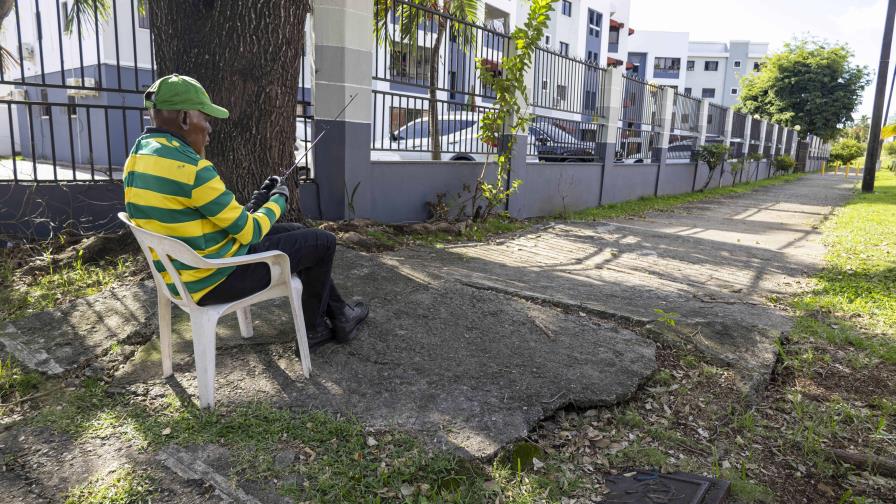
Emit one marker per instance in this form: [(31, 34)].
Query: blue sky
[(859, 23)]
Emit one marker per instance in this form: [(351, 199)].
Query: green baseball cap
[(178, 92)]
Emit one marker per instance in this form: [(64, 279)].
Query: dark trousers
[(310, 254)]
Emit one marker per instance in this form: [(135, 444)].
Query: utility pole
[(881, 88)]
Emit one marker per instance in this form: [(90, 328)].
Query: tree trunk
[(247, 56), (435, 139), (708, 179)]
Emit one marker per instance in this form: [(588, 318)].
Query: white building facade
[(714, 69), (658, 57)]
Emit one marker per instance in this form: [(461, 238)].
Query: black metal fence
[(75, 74), (715, 121), (562, 140), (420, 53), (739, 125), (635, 145), (768, 140), (406, 127), (567, 84), (76, 80)]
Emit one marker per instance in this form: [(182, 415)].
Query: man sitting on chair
[(171, 189)]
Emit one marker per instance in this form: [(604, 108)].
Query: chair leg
[(298, 318), (165, 334), (204, 324), (244, 317)]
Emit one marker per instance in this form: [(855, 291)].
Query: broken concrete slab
[(189, 467), (467, 369), (57, 341)]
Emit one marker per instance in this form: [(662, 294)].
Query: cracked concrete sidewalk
[(715, 263), (469, 346)]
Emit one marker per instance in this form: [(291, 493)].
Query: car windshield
[(554, 133)]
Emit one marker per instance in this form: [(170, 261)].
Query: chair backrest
[(165, 248)]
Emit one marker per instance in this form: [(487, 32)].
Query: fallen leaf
[(371, 441), (166, 431), (537, 464), (407, 490)]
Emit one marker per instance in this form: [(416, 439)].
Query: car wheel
[(462, 157)]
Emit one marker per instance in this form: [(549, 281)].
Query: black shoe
[(316, 337), (345, 323)]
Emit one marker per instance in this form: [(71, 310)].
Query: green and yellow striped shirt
[(171, 190)]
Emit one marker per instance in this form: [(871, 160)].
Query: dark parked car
[(552, 144)]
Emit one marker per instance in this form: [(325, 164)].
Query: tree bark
[(247, 56), (435, 139)]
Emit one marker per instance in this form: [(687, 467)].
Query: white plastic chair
[(204, 319)]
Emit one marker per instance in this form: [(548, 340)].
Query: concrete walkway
[(715, 263), (469, 346)]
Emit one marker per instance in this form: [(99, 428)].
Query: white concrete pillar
[(612, 96), (703, 126)]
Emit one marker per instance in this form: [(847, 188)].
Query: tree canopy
[(809, 83)]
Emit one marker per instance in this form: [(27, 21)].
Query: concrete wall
[(552, 188), (676, 178), (43, 210), (625, 182), (397, 191)]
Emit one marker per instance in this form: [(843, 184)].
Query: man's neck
[(156, 129)]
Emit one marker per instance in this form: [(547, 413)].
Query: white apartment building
[(714, 69), (658, 57), (593, 30)]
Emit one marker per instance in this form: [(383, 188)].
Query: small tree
[(846, 151), (890, 149), (754, 159), (783, 163), (713, 155), (510, 113)]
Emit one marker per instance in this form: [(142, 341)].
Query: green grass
[(125, 485), (15, 383), (42, 291), (335, 456), (652, 204), (854, 303)]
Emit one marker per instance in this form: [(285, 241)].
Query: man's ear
[(184, 119)]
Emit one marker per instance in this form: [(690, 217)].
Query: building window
[(614, 40), (711, 66), (592, 56), (594, 21), (666, 67), (708, 93), (561, 92), (688, 91), (547, 41), (45, 110), (737, 63), (757, 66), (143, 17), (410, 65), (564, 48), (733, 91), (690, 65), (566, 8), (72, 108)]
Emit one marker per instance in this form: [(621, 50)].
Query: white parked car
[(459, 133)]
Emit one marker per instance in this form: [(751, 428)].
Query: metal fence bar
[(581, 83), (686, 113), (715, 121), (739, 125)]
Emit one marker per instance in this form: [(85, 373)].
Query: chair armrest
[(269, 257)]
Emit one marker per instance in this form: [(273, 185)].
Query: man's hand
[(263, 194), (270, 184), (283, 191), (258, 199)]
